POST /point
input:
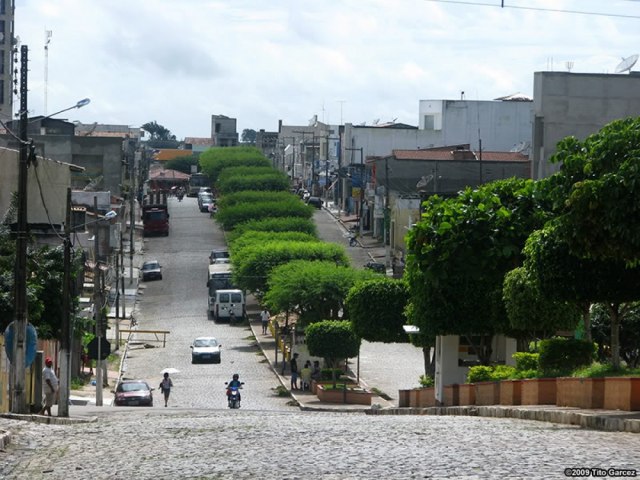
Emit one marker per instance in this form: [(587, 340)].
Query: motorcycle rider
[(234, 383)]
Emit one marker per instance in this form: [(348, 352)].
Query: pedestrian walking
[(165, 387), (264, 318), (50, 387), (294, 372)]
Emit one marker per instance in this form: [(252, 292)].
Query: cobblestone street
[(176, 443)]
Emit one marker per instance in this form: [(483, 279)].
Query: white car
[(205, 349), (221, 260)]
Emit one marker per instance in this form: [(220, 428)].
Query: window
[(223, 298), (236, 298), (429, 122)]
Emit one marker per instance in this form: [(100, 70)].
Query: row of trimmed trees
[(527, 259), (277, 255)]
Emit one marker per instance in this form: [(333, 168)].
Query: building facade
[(577, 104), (497, 125), (224, 132)]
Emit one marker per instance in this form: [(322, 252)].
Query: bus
[(197, 180)]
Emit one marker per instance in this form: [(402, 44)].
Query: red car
[(134, 393)]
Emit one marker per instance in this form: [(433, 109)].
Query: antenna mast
[(47, 40)]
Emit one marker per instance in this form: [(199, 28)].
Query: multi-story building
[(7, 8), (498, 125), (224, 131), (577, 104)]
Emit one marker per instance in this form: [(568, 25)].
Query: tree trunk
[(614, 310), (585, 309), (429, 361)]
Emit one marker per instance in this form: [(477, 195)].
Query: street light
[(18, 364)]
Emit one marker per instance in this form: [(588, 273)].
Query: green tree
[(248, 136), (254, 265), (564, 276), (629, 333), (376, 309), (334, 341), (315, 290), (157, 131), (274, 181), (601, 181), (276, 224), (459, 254), (183, 164), (531, 314), (234, 215), (252, 238), (214, 160)]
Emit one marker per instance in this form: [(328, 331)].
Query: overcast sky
[(180, 61)]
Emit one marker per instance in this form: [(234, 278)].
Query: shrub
[(426, 381), (479, 373), (596, 370), (503, 372), (493, 373), (327, 373), (560, 356), (533, 373), (526, 361)]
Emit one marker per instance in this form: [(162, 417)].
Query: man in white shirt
[(264, 317), (50, 387)]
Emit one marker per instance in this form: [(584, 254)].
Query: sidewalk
[(607, 420)]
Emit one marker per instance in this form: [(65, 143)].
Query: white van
[(229, 304)]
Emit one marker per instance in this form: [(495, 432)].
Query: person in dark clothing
[(294, 372)]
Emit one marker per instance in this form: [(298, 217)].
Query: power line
[(537, 9)]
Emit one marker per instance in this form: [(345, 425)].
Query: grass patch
[(380, 393), (281, 391), (598, 370)]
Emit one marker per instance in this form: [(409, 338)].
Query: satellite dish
[(626, 64)]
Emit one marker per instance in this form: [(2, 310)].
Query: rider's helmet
[(236, 376)]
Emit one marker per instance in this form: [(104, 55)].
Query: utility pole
[(65, 347), (97, 304), (387, 216), (303, 133), (132, 214), (18, 363)]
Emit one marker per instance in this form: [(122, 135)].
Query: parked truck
[(155, 215)]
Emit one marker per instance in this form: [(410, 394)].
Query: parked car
[(133, 393), (218, 253), (314, 202), (151, 270), (205, 190), (205, 349)]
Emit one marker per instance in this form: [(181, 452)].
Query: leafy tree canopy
[(183, 164), (601, 179), (214, 160), (251, 238), (248, 136), (376, 309), (252, 268), (275, 224), (158, 133), (332, 340), (274, 181), (233, 215), (315, 290), (460, 252)]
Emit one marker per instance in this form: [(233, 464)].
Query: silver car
[(205, 349)]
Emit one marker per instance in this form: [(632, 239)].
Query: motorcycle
[(353, 241), (233, 395)]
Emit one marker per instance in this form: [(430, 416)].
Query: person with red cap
[(50, 387)]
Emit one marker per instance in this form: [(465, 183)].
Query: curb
[(53, 420), (614, 422)]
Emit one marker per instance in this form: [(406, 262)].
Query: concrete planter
[(539, 391), (580, 392), (467, 394), (487, 393), (315, 383), (622, 393), (452, 395), (511, 392), (350, 395)]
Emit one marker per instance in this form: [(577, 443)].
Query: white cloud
[(178, 62)]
